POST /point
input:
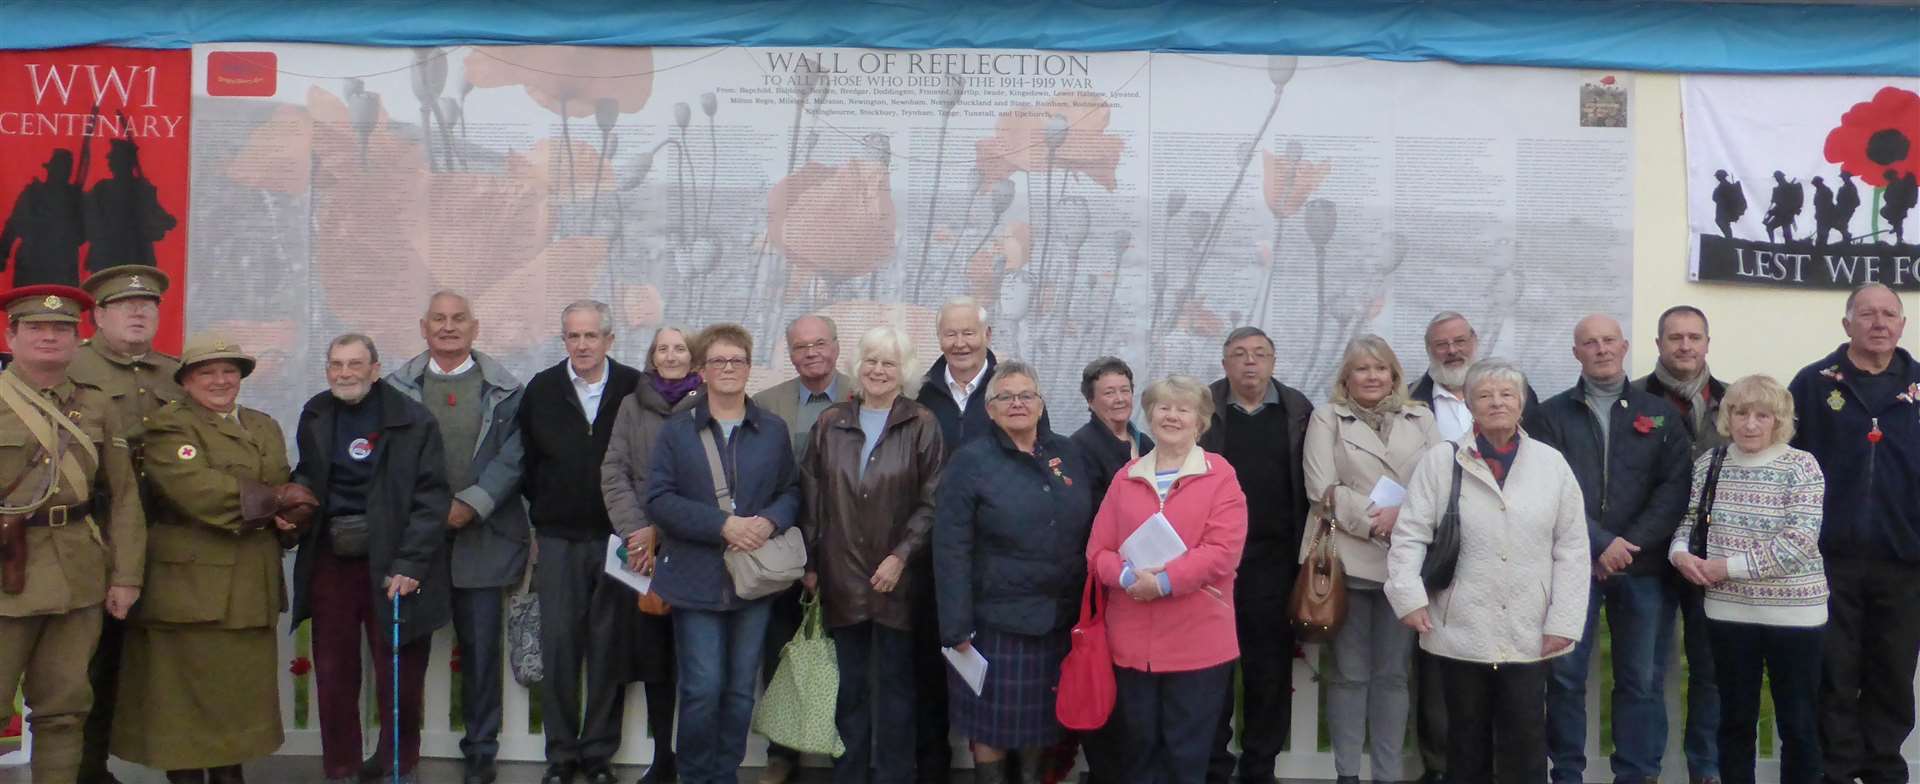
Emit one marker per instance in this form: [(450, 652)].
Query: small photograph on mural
[(1820, 198), (93, 165), (1603, 103)]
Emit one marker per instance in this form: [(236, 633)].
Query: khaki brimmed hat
[(209, 346), (127, 280), (62, 304)]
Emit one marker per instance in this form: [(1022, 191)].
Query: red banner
[(93, 167)]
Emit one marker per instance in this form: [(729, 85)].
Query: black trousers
[(1165, 722), (1789, 658), (103, 671), (783, 620), (581, 617), (1866, 687), (1266, 692), (1497, 721), (874, 709), (477, 624), (1430, 710), (932, 749)]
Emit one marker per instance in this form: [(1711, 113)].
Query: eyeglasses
[(1024, 398), (1457, 344), (728, 363), (806, 348)]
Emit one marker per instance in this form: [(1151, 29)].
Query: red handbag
[(1085, 698)]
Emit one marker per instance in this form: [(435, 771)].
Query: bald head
[(1875, 321), (1601, 347)]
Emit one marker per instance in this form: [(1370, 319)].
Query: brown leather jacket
[(852, 523)]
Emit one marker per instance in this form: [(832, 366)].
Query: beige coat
[(1346, 455), (1524, 568)]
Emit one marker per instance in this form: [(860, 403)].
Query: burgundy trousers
[(342, 608)]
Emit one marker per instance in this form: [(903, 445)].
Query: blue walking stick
[(396, 687)]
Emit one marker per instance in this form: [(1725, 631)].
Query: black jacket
[(1873, 487), (1267, 566), (406, 506), (1702, 442), (956, 428), (1010, 536), (1105, 454), (1637, 489), (561, 468)]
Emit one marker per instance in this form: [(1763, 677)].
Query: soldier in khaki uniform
[(58, 441), (199, 692), (120, 360)]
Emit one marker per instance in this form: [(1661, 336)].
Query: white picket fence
[(519, 742)]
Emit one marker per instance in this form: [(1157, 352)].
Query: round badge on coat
[(360, 449)]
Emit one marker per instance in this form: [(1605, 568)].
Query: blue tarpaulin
[(1657, 35)]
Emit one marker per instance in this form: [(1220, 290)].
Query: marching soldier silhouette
[(124, 217), (72, 535)]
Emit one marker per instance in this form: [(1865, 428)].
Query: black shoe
[(601, 775), (480, 770), (558, 773), (664, 770), (1434, 777), (373, 769)]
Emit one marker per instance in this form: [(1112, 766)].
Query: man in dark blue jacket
[(1629, 450), (718, 635), (1858, 412)]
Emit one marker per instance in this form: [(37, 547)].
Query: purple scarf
[(674, 390)]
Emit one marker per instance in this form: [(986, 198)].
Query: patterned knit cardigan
[(1766, 523)]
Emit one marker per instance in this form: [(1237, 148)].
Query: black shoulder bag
[(1443, 553), (1697, 539)]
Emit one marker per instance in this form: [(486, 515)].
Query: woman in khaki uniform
[(199, 692)]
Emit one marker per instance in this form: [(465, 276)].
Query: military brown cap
[(46, 303), (127, 280), (209, 346)]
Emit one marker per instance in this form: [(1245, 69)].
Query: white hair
[(890, 342), (578, 305), (1495, 370), (961, 302)]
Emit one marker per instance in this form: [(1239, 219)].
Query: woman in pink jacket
[(1170, 625)]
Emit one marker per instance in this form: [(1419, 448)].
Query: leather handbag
[(773, 568), (1697, 538), (1443, 553), (1319, 601), (1084, 700), (650, 602)]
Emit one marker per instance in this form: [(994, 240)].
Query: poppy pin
[(1645, 424)]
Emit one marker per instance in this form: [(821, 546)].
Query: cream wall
[(1755, 329)]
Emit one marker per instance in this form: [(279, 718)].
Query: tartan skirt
[(1015, 708)]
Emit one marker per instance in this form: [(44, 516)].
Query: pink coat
[(1193, 628)]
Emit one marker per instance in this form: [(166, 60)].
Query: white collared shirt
[(433, 366), (589, 393), (1450, 415), (961, 392)]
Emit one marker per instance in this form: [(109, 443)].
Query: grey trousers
[(1367, 688)]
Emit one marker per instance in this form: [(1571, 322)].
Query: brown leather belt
[(59, 515)]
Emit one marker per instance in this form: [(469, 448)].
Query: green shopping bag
[(797, 709)]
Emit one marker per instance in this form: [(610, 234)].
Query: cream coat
[(1524, 563), (1345, 454)]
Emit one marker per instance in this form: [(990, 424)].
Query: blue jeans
[(1640, 613), (718, 654)]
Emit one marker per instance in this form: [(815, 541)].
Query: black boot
[(991, 772), (1033, 763), (193, 776), (660, 710), (230, 774)]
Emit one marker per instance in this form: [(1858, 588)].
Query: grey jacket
[(623, 472), (783, 400), (492, 551)]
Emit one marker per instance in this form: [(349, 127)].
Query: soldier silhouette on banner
[(124, 217), (1845, 202), (48, 224), (1824, 211), (1900, 197), (1788, 199), (1729, 203)]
